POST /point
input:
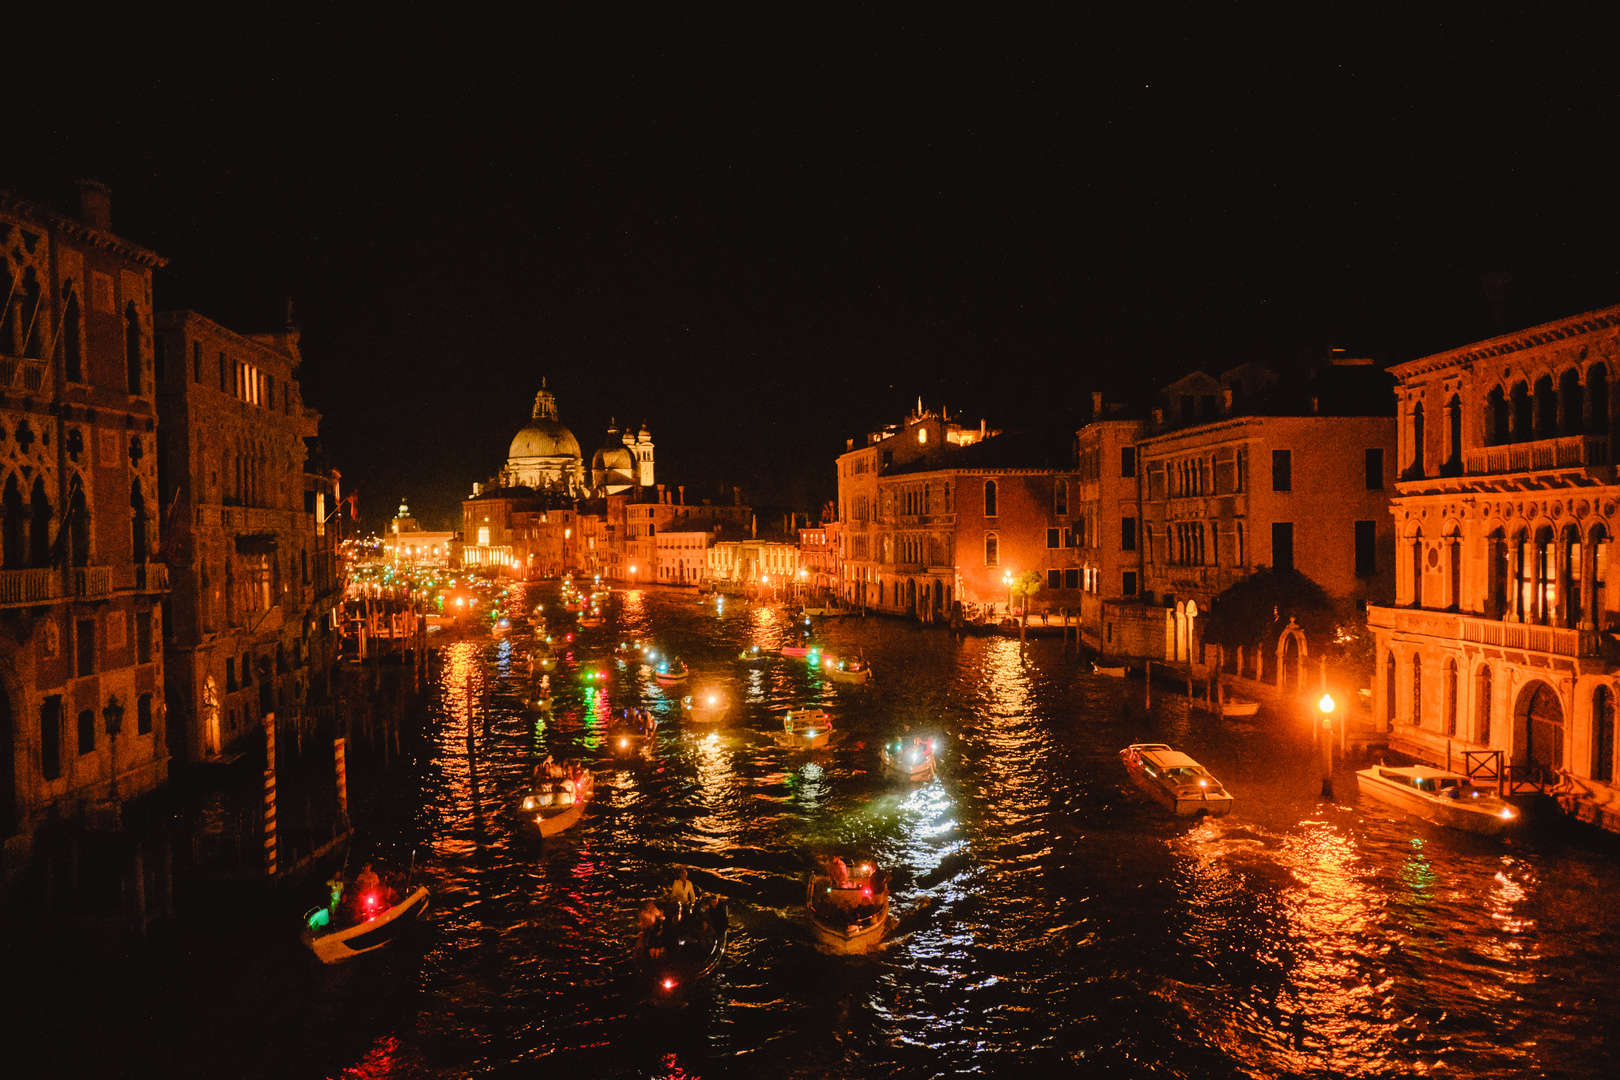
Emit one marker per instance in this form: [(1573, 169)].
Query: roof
[(1170, 759), (1007, 451), (544, 438)]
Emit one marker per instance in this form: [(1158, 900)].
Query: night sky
[(763, 237)]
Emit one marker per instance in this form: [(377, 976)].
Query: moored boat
[(807, 729), (679, 947), (1114, 672), (1446, 798), (1175, 781), (1239, 707), (363, 922), (909, 758), (848, 904), (557, 799)]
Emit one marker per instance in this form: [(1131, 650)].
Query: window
[(992, 550), (1060, 498), (72, 335), (143, 637), (989, 498), (1603, 735), (1127, 534), (1054, 579), (230, 674), (1127, 461), (1147, 542), (1071, 578), (1366, 549), (1128, 585), (1282, 470), (143, 715), (132, 346), (1451, 698), (1282, 545), (1375, 470), (87, 732), (1484, 726), (1053, 536), (1417, 690), (84, 653), (50, 737)]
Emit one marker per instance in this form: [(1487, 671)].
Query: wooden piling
[(1147, 686), (270, 823), (340, 766)]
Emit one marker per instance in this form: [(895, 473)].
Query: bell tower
[(640, 445)]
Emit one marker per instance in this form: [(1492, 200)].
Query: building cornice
[(78, 230), (1509, 344)]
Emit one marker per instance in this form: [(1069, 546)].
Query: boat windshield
[(1185, 773)]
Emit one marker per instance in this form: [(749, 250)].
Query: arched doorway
[(1538, 732)]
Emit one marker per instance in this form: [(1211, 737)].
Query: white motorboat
[(361, 923), (909, 758), (848, 669), (556, 803), (1446, 798), (849, 905), (1175, 781), (807, 729)]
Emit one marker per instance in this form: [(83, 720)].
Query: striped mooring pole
[(270, 794), (342, 768)]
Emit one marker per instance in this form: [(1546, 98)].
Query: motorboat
[(1114, 672), (909, 758), (681, 946), (629, 652), (807, 729), (557, 800), (849, 669), (1446, 798), (706, 706), (1175, 781), (754, 655), (801, 650), (671, 670), (364, 921), (1239, 707), (542, 661), (848, 904), (630, 735)]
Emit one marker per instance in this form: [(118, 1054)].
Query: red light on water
[(669, 984)]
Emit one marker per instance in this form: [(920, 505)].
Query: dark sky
[(764, 237)]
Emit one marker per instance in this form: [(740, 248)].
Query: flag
[(354, 505)]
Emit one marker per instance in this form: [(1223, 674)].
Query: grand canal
[(1051, 920)]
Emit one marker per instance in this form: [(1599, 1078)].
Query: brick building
[(232, 449), (1106, 525), (82, 725), (1502, 634)]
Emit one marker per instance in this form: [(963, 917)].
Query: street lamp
[(1326, 705)]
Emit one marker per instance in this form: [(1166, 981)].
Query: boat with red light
[(848, 904), (682, 946), (364, 919)]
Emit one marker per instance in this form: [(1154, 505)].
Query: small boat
[(557, 802), (706, 707), (909, 758), (542, 660), (629, 736), (629, 652), (1175, 781), (594, 674), (754, 655), (1446, 798), (854, 670), (807, 729), (1239, 707), (671, 671), (1115, 672), (347, 927), (682, 946), (798, 650), (848, 905)]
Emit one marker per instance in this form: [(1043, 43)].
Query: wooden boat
[(671, 671), (1175, 781), (629, 652), (909, 758), (542, 661), (683, 947), (361, 924), (852, 670), (1446, 798), (848, 907), (629, 737), (1239, 707), (706, 707), (556, 803), (1115, 672), (807, 729)]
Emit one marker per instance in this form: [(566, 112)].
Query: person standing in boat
[(681, 890)]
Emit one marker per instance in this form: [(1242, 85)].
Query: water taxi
[(680, 947), (909, 758), (557, 800), (1175, 781), (362, 923), (1446, 798), (807, 729), (848, 904)]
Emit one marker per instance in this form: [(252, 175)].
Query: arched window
[(32, 317), (1546, 409), (1524, 413), (1454, 436), (138, 521), (989, 498), (1597, 403), (1060, 498), (1452, 544), (1569, 584), (1390, 710), (1414, 468), (15, 526), (1451, 698), (1147, 543), (1570, 403), (1417, 690), (39, 525), (1482, 706), (1546, 570), (1496, 418), (132, 346), (1598, 538), (78, 528), (1496, 554), (1416, 554), (1603, 735), (992, 549)]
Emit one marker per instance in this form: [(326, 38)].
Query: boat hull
[(337, 946), (672, 978), (841, 932), (1239, 708), (551, 820), (1438, 810), (920, 773), (855, 678)]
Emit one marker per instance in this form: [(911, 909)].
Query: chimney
[(682, 490), (661, 493), (95, 204), (1096, 404)]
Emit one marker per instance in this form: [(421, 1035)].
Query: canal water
[(1050, 920)]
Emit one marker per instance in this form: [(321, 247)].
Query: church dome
[(545, 436), (614, 458)]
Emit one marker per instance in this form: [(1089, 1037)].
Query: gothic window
[(15, 526), (132, 346), (1546, 409), (1483, 727), (1603, 735), (72, 333), (1414, 467), (1570, 403), (1597, 387), (39, 525), (1523, 412), (992, 550), (1496, 418), (989, 498), (30, 317), (1454, 435)]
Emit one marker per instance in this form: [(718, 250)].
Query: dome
[(544, 438), (615, 458)]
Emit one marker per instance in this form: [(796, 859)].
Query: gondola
[(683, 947)]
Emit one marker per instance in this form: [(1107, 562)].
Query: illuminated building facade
[(523, 533), (82, 723), (819, 548), (1503, 632), (1105, 521), (246, 634), (406, 541), (544, 455)]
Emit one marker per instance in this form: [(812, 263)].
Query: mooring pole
[(340, 765), (1147, 687)]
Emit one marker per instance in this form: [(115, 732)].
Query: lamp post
[(1326, 705), (1007, 580)]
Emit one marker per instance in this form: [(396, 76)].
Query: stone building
[(232, 449), (819, 547), (1106, 527), (1502, 636), (544, 455), (82, 724), (406, 541)]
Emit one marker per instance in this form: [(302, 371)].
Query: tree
[(1253, 612), (1026, 585)]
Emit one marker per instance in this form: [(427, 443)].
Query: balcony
[(92, 581), (1525, 637), (26, 375), (37, 586), (1571, 452)]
